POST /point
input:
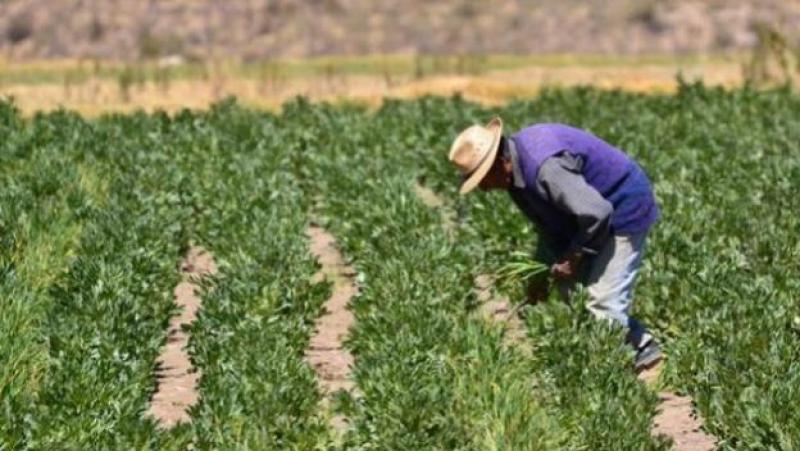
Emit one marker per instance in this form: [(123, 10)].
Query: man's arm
[(560, 181)]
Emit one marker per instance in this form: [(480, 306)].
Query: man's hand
[(568, 267)]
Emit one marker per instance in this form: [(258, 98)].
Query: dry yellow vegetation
[(46, 86)]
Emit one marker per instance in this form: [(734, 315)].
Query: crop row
[(258, 312), (43, 205), (92, 257), (718, 285), (95, 218)]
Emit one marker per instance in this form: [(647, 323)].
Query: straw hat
[(474, 151)]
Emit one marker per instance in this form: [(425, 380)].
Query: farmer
[(592, 204)]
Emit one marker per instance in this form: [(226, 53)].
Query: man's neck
[(509, 150)]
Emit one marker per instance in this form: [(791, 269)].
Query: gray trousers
[(609, 278)]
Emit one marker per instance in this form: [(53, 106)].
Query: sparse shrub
[(163, 77), (125, 80), (153, 46), (20, 28), (96, 29), (270, 79), (646, 13), (774, 61)]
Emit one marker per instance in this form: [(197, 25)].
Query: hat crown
[(471, 147)]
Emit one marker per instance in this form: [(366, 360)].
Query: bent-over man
[(591, 203)]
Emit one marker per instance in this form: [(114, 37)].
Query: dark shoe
[(648, 356)]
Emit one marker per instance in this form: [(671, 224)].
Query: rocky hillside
[(251, 29)]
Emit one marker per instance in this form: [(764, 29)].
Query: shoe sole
[(649, 362)]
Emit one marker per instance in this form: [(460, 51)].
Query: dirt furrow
[(432, 200), (500, 310), (176, 379), (326, 352), (677, 419)]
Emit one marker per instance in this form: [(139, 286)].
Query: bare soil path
[(326, 352), (500, 310), (432, 200), (677, 419), (176, 379)]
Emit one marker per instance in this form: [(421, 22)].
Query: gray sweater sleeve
[(560, 182)]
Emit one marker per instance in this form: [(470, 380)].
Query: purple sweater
[(616, 177)]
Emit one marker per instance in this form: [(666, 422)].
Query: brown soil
[(427, 196), (432, 200), (500, 310), (677, 419), (176, 379), (326, 353)]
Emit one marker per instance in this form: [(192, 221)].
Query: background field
[(96, 56)]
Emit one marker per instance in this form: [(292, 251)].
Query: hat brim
[(474, 178)]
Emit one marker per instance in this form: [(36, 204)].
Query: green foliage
[(95, 215), (587, 377), (519, 270)]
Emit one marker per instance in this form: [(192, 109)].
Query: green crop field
[(95, 216)]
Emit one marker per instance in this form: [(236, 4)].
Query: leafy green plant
[(521, 268), (95, 215)]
